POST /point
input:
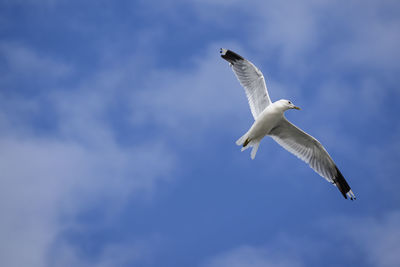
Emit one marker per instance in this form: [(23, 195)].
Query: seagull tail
[(243, 141), (255, 146), (246, 142)]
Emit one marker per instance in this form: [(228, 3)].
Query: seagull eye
[(289, 102)]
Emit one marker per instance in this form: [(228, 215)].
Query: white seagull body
[(270, 120)]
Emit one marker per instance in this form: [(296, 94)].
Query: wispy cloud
[(123, 253), (23, 62), (69, 169), (362, 240), (377, 239), (252, 257), (198, 97)]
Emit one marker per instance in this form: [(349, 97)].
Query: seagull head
[(287, 104)]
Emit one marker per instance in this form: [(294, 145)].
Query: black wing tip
[(230, 56), (343, 186)]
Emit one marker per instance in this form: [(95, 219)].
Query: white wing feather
[(252, 79), (306, 148)]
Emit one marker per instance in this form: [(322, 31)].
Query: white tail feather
[(253, 143), (241, 140), (255, 146)]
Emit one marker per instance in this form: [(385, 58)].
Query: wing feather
[(310, 150), (251, 78)]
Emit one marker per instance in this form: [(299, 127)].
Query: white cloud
[(376, 238), (370, 240), (43, 180), (249, 256), (23, 62), (381, 240), (113, 254), (348, 35), (45, 176), (191, 100)]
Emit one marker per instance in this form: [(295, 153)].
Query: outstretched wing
[(251, 79), (308, 149)]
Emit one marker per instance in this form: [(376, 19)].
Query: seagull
[(269, 120)]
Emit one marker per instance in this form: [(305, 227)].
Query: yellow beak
[(297, 108)]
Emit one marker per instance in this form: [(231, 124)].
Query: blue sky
[(118, 121)]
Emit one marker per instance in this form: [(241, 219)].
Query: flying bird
[(269, 119)]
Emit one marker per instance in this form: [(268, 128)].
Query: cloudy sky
[(118, 121)]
